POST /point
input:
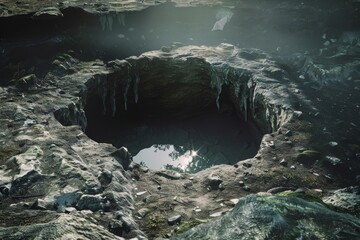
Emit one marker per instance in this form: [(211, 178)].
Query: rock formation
[(60, 79)]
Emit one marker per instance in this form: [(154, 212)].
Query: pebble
[(333, 144), (283, 162), (234, 200), (145, 169), (241, 183), (187, 184), (70, 209), (298, 113), (141, 193), (302, 77), (248, 165), (272, 144), (143, 212), (174, 220), (288, 133), (292, 167), (197, 209), (316, 174), (333, 160), (217, 214)]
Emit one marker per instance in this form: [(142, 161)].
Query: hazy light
[(193, 153)]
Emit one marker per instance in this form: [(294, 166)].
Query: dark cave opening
[(174, 126)]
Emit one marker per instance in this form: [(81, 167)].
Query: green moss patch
[(189, 224)]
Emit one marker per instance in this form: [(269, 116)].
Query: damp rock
[(298, 113), (213, 181), (27, 82), (174, 220), (90, 202), (123, 156), (187, 184), (105, 177), (273, 213), (143, 212), (332, 160), (308, 157), (347, 199), (48, 13), (283, 162), (247, 165), (43, 204)]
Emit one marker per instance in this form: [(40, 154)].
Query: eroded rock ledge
[(259, 89)]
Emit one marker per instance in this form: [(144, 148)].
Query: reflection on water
[(191, 144), (171, 157)]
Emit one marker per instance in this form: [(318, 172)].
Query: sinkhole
[(171, 117)]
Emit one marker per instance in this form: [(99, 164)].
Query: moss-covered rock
[(308, 157), (278, 217), (189, 224)]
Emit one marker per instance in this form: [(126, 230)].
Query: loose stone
[(174, 220)]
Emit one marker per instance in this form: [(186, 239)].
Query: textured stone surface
[(50, 167), (93, 6), (277, 218)]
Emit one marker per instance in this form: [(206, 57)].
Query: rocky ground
[(57, 183)]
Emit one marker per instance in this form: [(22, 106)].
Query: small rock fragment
[(70, 209), (333, 160), (141, 193), (248, 165), (298, 113), (283, 162), (217, 214), (214, 182), (174, 220), (143, 212), (187, 184)]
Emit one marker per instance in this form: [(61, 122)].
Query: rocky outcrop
[(53, 176), (249, 78), (271, 217)]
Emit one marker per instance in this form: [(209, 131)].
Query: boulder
[(347, 199), (277, 217), (90, 202), (213, 181), (123, 156)]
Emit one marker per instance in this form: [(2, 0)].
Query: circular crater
[(170, 116)]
